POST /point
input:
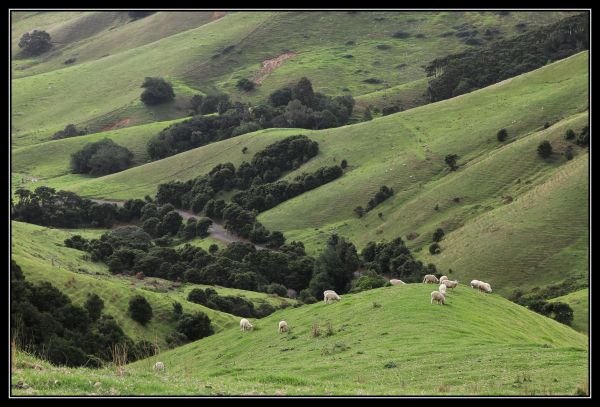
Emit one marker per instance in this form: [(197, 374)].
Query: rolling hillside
[(42, 256), (114, 54), (485, 345)]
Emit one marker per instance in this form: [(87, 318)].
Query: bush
[(450, 160), (35, 43), (195, 326), (368, 281), (400, 34), (569, 153), (94, 306), (276, 288), (101, 158), (438, 235), (584, 137), (140, 309), (387, 110), (359, 211), (344, 164), (502, 135), (544, 149), (177, 309), (69, 131), (245, 85), (197, 296), (306, 297), (570, 134), (434, 248), (157, 91)]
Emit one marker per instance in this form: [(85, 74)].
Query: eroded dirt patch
[(270, 65), (117, 125)]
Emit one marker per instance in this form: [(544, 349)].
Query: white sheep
[(450, 283), (438, 296), (430, 278), (245, 325), (442, 278), (474, 283), (443, 289), (330, 295), (394, 281), (159, 366), (486, 287), (283, 326)]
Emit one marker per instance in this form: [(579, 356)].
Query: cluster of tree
[(65, 209), (395, 260), (131, 251), (583, 139), (69, 131), (45, 321), (267, 196), (381, 195), (35, 43), (298, 107), (334, 268), (475, 68), (230, 304), (101, 158), (156, 91)]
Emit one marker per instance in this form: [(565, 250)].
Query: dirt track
[(216, 230)]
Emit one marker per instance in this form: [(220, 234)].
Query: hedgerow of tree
[(298, 106), (475, 68)]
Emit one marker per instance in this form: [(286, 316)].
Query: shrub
[(245, 84), (569, 153), (344, 164), (387, 110), (35, 43), (264, 309), (584, 137), (400, 34), (502, 135), (69, 131), (70, 61), (140, 309), (197, 296), (438, 235), (77, 242), (570, 134), (213, 248), (373, 81), (450, 160), (157, 91), (306, 297), (276, 288), (101, 158), (94, 306), (544, 149), (176, 338), (177, 309), (195, 326), (434, 248), (368, 281)]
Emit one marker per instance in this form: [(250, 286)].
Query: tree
[(245, 84), (438, 235), (171, 223), (196, 102), (544, 149), (451, 161), (177, 309), (569, 153), (94, 306), (303, 92), (344, 164), (502, 134), (367, 115), (140, 309), (281, 97), (359, 211), (197, 296), (101, 158), (195, 326), (35, 43), (157, 91), (213, 248), (434, 248), (570, 134)]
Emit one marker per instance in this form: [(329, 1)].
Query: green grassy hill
[(114, 54), (42, 256), (476, 344), (579, 302)]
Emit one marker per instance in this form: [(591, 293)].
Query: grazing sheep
[(442, 278), (245, 325), (475, 284), (443, 289), (330, 295), (430, 278), (485, 287), (283, 326), (159, 366), (438, 296), (394, 281), (450, 283)]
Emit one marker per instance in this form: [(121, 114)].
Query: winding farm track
[(216, 230)]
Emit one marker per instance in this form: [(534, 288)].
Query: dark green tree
[(140, 309)]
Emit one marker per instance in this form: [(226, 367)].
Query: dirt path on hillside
[(117, 125), (270, 65), (216, 230)]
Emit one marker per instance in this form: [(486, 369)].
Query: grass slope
[(42, 256), (115, 54), (486, 345), (579, 301)]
